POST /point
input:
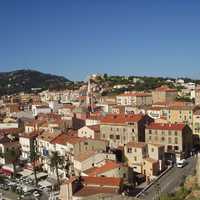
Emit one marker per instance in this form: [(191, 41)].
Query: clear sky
[(79, 37)]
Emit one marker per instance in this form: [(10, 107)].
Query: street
[(169, 182)]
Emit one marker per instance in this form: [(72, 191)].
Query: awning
[(25, 172)]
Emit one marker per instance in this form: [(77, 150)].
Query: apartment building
[(164, 94), (136, 152), (90, 132), (134, 99), (196, 122), (121, 129), (177, 138), (27, 142), (197, 96), (144, 158)]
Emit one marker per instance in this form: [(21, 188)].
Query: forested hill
[(25, 80)]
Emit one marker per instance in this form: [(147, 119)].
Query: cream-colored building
[(145, 158), (196, 122), (134, 99), (90, 159), (121, 129), (177, 138), (164, 94), (90, 132), (135, 153), (197, 96)]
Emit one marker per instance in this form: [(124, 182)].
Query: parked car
[(181, 163)]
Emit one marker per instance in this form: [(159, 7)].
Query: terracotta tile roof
[(65, 138), (89, 191), (83, 156), (107, 167), (103, 181), (165, 126), (121, 118), (165, 88), (7, 131), (48, 136), (136, 144)]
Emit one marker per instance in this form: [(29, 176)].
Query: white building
[(37, 109)]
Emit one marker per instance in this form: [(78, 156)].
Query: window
[(103, 136), (169, 140), (176, 133), (162, 139), (111, 136), (135, 158), (118, 137), (150, 131), (135, 150), (117, 129), (176, 140), (149, 137), (176, 148), (129, 150), (124, 130), (152, 149), (169, 147), (85, 143), (169, 132), (133, 130)]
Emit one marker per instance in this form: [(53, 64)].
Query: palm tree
[(55, 161), (33, 158), (12, 156)]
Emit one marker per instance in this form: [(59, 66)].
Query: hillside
[(25, 80)]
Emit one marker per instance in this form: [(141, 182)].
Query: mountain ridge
[(25, 79)]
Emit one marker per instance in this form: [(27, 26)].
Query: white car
[(181, 163), (36, 194)]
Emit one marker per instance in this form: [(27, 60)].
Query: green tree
[(33, 158), (55, 161), (12, 156)]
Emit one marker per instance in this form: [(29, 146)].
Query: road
[(169, 182)]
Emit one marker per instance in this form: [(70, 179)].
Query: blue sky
[(79, 37)]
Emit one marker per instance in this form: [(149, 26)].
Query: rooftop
[(109, 165), (103, 181), (165, 126), (121, 118)]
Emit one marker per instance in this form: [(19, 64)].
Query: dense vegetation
[(25, 80)]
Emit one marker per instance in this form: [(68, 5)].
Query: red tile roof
[(165, 88), (89, 191), (163, 126), (107, 167), (121, 118), (103, 181)]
